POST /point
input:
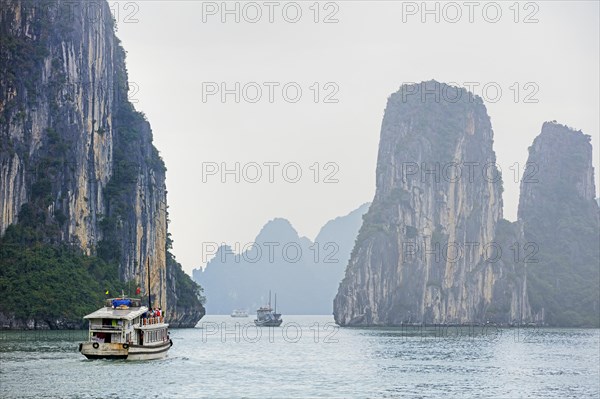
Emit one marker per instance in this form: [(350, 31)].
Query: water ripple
[(380, 362)]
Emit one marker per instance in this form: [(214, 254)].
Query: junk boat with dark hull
[(267, 316), (124, 329)]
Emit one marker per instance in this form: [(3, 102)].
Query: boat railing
[(104, 327), (153, 320)]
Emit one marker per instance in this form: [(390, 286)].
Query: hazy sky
[(181, 51)]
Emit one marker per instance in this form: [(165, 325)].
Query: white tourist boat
[(239, 313), (123, 330)]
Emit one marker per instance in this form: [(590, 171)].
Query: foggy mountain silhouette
[(305, 274)]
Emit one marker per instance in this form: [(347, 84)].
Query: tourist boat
[(123, 329), (239, 313), (267, 316)]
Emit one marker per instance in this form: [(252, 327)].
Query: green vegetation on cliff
[(560, 216), (565, 280), (188, 295), (48, 282)]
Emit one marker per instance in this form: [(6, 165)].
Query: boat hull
[(95, 350), (269, 323), (138, 352)]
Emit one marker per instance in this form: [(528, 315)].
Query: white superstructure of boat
[(124, 329), (239, 313)]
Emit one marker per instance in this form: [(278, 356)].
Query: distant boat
[(239, 313), (120, 330), (266, 316)]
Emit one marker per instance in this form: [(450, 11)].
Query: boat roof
[(123, 314)]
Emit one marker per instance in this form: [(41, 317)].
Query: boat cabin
[(125, 321), (124, 329)]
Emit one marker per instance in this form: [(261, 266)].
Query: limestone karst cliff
[(433, 247), (560, 216), (76, 158)]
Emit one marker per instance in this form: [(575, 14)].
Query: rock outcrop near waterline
[(433, 247)]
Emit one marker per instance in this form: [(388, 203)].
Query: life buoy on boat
[(96, 345), (125, 346)]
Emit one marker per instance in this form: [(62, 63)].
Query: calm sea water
[(310, 357)]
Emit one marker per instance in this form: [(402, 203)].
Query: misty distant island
[(306, 274)]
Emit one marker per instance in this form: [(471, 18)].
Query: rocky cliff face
[(74, 152), (184, 296), (560, 216), (56, 69), (429, 248)]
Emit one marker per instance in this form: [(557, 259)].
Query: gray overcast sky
[(366, 55)]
